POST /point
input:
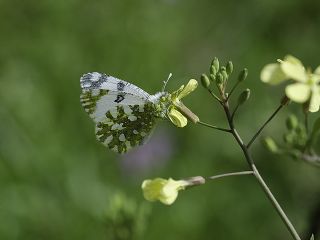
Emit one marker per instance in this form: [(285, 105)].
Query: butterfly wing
[(122, 111)]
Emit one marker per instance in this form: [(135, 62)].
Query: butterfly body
[(124, 113)]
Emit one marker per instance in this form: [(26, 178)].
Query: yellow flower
[(166, 191), (178, 112), (177, 118), (306, 86)]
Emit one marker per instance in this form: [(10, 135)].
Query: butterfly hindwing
[(126, 127)]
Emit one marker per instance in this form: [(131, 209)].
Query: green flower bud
[(219, 79), (222, 68), (243, 75), (292, 122), (213, 77), (224, 75), (244, 96), (229, 67), (205, 81), (270, 144), (215, 64), (213, 70), (288, 138)]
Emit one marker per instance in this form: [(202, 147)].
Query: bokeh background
[(58, 182)]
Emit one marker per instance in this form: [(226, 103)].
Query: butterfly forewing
[(123, 114)]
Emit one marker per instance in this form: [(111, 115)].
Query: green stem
[(256, 173), (230, 174), (215, 96), (263, 126), (254, 169), (233, 88), (214, 127), (234, 111)]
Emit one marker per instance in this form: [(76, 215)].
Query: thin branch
[(233, 88), (259, 178), (214, 127), (234, 111), (230, 174), (215, 96), (263, 126)]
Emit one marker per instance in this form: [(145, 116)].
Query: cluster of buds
[(219, 76), (298, 144)]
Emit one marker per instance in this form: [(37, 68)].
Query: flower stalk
[(255, 171)]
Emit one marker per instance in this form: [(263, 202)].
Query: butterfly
[(124, 114)]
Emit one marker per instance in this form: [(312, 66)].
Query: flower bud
[(215, 64), (243, 75), (270, 144), (205, 81), (219, 79), (292, 122), (244, 96), (229, 68), (213, 70), (213, 77), (224, 75), (288, 138)]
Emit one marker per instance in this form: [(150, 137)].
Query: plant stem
[(215, 96), (214, 127), (230, 174), (263, 126), (234, 111), (233, 88), (256, 173)]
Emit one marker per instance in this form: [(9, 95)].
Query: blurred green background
[(58, 182)]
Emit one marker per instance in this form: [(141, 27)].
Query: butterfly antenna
[(165, 82)]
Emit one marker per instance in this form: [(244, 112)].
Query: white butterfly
[(124, 113)]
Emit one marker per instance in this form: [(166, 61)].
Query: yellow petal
[(315, 100), (152, 188), (298, 92), (317, 71), (272, 74), (169, 192), (177, 118), (293, 60), (191, 86), (293, 68), (314, 78)]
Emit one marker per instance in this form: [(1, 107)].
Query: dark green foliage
[(56, 180)]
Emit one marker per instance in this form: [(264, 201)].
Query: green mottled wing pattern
[(126, 127)]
